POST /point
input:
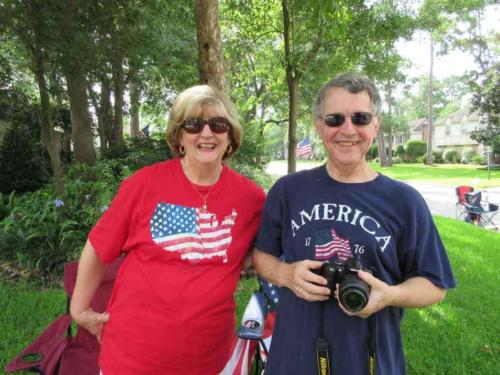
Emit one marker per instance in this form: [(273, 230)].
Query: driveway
[(441, 199)]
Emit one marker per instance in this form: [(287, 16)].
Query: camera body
[(353, 292)]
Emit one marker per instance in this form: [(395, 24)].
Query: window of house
[(448, 130)]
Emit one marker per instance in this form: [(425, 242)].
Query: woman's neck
[(201, 175)]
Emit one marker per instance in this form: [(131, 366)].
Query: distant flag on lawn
[(144, 132), (304, 147)]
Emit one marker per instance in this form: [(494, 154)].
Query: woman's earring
[(182, 150), (229, 150)]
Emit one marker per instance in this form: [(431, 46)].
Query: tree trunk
[(81, 124), (430, 126), (134, 107), (106, 132), (210, 49), (292, 81), (389, 130), (118, 89), (381, 149), (50, 138)]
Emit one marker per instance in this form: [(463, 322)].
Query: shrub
[(396, 160), (450, 155), (400, 151), (478, 159), (437, 157), (373, 152), (467, 155), (414, 149), (22, 163), (41, 233)]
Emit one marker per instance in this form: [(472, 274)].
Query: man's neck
[(358, 174)]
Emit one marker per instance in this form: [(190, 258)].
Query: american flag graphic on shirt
[(194, 233), (329, 245)]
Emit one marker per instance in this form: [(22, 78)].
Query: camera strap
[(322, 352), (322, 346), (372, 344)]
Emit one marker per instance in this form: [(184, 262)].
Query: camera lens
[(353, 300), (354, 292)]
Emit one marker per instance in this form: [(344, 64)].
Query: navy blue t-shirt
[(387, 224)]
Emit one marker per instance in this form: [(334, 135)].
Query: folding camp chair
[(460, 205), (478, 212), (57, 350)]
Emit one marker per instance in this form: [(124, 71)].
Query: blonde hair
[(189, 102)]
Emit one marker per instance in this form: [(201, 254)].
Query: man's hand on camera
[(299, 278), (380, 296)]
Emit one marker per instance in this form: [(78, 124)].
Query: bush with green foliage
[(467, 154), (400, 151), (41, 233), (396, 160), (373, 152), (22, 163), (478, 159), (450, 155), (437, 157), (414, 149)]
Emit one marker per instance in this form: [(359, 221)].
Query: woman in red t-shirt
[(186, 226)]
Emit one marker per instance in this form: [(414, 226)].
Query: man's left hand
[(380, 296)]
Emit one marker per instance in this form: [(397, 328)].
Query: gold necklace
[(203, 197)]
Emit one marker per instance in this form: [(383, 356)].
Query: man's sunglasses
[(195, 125), (335, 120)]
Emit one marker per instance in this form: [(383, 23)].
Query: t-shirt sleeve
[(423, 252), (270, 231), (110, 233)]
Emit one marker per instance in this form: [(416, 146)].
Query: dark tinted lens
[(361, 118), (334, 120), (193, 125), (218, 124)]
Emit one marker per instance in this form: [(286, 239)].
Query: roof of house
[(417, 124)]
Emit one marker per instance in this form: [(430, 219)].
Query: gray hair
[(353, 83)]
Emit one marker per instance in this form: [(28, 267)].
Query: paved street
[(441, 199)]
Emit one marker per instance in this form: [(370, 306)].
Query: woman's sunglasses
[(195, 125), (334, 120)]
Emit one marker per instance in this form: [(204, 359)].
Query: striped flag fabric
[(329, 244), (304, 147), (192, 232), (144, 133)]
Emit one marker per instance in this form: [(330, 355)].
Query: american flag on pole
[(304, 147), (243, 351), (329, 245), (144, 133), (192, 232)]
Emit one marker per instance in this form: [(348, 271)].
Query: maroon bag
[(56, 351)]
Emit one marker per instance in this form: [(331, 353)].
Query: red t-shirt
[(172, 310)]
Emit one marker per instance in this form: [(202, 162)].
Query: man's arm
[(296, 276), (414, 292), (89, 277)]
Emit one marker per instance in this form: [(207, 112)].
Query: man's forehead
[(339, 97)]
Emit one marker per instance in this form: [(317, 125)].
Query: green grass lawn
[(446, 174), (461, 335)]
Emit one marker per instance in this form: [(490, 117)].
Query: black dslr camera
[(353, 292)]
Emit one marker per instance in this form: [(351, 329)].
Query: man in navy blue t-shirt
[(339, 211)]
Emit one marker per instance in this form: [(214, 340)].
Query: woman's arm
[(89, 277)]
